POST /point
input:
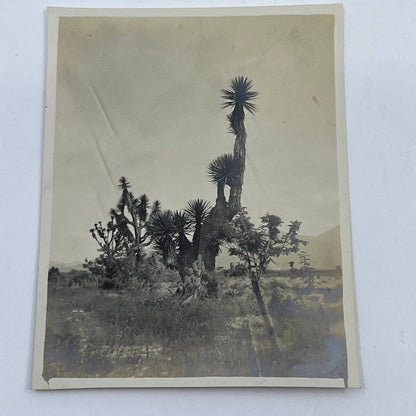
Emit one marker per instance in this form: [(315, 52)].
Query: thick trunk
[(209, 246), (212, 228), (220, 209), (240, 160), (235, 201), (240, 148), (220, 192), (221, 213)]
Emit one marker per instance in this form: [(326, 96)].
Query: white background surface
[(380, 56)]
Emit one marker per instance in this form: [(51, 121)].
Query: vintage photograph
[(195, 219)]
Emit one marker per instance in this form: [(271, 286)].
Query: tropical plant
[(197, 211), (239, 98), (223, 171), (170, 233), (257, 247), (123, 239), (228, 170), (162, 231)]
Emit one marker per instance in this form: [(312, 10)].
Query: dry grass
[(145, 332)]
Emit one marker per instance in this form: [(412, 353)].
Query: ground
[(146, 332)]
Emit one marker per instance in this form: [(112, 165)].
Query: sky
[(140, 97)]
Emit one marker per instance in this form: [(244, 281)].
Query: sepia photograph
[(195, 215)]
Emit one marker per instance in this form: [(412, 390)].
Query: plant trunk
[(265, 315), (209, 246), (211, 230), (220, 192), (240, 160), (221, 213)]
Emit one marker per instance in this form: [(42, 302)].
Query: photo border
[(353, 381)]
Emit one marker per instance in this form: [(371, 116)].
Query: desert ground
[(148, 332)]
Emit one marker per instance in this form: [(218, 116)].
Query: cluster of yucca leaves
[(137, 229)]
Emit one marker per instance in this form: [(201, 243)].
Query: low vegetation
[(147, 332)]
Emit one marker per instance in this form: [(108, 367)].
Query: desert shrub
[(79, 278), (112, 272), (238, 269), (118, 273), (107, 284)]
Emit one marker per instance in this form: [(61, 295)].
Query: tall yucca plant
[(238, 97), (197, 211), (163, 231), (223, 171)]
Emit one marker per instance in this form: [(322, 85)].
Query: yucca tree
[(223, 171), (197, 211), (125, 199), (228, 169), (131, 217), (141, 206), (182, 227), (162, 230), (238, 97), (129, 203), (122, 225)]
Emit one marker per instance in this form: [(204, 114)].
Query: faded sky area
[(140, 97)]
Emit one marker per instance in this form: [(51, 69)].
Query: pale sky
[(141, 98)]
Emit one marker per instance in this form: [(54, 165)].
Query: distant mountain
[(324, 251), (66, 267)]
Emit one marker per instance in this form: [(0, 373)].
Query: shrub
[(239, 269)]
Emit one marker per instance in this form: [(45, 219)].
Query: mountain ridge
[(323, 249)]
